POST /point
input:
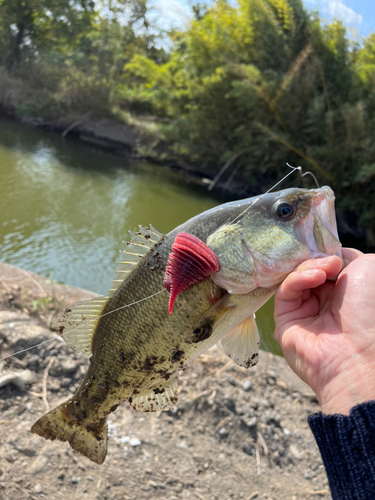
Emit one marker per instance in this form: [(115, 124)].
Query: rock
[(29, 452), (249, 421), (54, 386), (271, 418), (65, 382), (38, 488), (296, 452), (10, 456), (75, 480), (182, 444), (134, 442), (69, 366), (247, 385), (248, 449), (154, 484), (223, 433), (41, 461)]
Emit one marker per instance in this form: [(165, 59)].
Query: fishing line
[(270, 189), (118, 309), (299, 168), (29, 348), (293, 169), (306, 173), (84, 322)]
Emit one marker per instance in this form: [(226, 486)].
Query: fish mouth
[(318, 231)]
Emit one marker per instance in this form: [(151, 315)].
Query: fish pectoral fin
[(242, 343), (161, 398), (77, 324), (191, 261)]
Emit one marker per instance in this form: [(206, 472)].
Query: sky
[(359, 14), (356, 14)]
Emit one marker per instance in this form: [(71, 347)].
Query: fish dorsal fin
[(160, 398), (77, 324), (136, 249), (242, 343)]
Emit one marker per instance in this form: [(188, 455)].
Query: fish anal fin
[(90, 442), (242, 343), (161, 398), (77, 324)]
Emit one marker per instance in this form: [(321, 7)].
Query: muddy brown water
[(65, 208)]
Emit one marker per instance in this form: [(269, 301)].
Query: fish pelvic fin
[(89, 440), (242, 343)]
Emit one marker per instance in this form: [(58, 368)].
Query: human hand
[(326, 329)]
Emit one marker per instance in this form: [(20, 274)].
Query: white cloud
[(336, 9), (167, 14), (344, 13)]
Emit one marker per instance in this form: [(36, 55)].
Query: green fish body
[(137, 348)]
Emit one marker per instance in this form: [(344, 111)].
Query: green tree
[(269, 80), (28, 26)]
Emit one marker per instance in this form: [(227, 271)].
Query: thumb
[(310, 274)]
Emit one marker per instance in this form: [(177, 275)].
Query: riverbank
[(242, 432), (141, 140)]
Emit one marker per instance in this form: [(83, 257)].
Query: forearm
[(347, 446)]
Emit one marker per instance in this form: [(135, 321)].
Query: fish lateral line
[(58, 337)]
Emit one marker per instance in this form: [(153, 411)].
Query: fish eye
[(284, 210)]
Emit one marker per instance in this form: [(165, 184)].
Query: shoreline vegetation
[(251, 87)]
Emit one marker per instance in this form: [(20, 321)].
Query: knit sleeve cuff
[(347, 446)]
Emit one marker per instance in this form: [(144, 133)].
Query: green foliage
[(72, 53), (273, 81), (41, 305), (263, 77), (30, 25)]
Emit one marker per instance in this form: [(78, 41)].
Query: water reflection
[(66, 208)]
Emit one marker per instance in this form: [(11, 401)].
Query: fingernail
[(325, 261), (310, 272)]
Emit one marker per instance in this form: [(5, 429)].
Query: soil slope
[(237, 434)]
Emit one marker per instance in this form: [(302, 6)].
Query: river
[(65, 208)]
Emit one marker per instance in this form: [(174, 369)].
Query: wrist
[(348, 389)]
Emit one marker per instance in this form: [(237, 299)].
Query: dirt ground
[(236, 435)]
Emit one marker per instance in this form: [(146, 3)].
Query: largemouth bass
[(175, 296)]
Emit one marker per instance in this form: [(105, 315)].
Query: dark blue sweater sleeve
[(347, 446)]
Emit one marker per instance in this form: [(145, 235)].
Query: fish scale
[(136, 347)]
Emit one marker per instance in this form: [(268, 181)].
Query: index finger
[(309, 274)]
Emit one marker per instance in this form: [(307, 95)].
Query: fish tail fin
[(90, 440)]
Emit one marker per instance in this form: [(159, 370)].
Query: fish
[(176, 295)]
